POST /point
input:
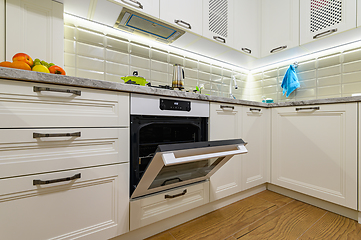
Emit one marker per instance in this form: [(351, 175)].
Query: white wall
[(2, 30)]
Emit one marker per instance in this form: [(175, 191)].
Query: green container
[(135, 79)]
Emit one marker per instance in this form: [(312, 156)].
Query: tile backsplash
[(100, 53)]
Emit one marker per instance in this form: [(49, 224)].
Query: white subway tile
[(305, 93), (216, 70), (270, 81), (139, 50), (328, 61), (352, 55), (69, 46), (159, 77), (90, 51), (204, 67), (69, 32), (273, 73), (70, 71), (159, 55), (204, 76), (90, 64), (329, 90), (159, 66), (351, 88), (308, 83), (227, 72), (176, 59), (116, 68), (329, 71), (191, 63), (69, 60), (269, 90), (113, 78), (306, 66), (351, 77), (90, 74), (352, 66), (330, 80), (306, 75), (117, 45), (190, 73), (139, 62), (90, 37), (117, 57)]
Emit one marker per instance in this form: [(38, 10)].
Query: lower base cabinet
[(314, 151), (156, 207), (94, 206)]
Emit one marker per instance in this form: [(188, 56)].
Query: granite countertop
[(30, 76)]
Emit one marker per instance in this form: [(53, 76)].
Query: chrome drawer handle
[(323, 34), (225, 106), (41, 182), (309, 108), (255, 109), (182, 23), (278, 49), (135, 2), (246, 50), (176, 195), (41, 89), (40, 135), (219, 39)]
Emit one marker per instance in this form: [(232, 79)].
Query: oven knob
[(162, 106)]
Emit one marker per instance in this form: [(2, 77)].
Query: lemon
[(40, 68)]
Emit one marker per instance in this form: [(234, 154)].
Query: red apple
[(24, 58)]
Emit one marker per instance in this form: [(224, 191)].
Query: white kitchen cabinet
[(187, 14), (247, 27), (35, 105), (150, 7), (225, 123), (358, 13), (94, 205), (256, 131), (314, 151), (280, 26), (319, 19), (156, 207), (218, 21), (2, 29), (35, 28)]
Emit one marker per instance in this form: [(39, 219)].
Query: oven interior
[(147, 132)]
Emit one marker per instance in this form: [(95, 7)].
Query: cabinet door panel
[(35, 28), (280, 25), (314, 151), (224, 124), (187, 12), (325, 18), (150, 7), (94, 206), (256, 132)]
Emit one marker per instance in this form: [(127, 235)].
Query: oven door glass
[(175, 165)]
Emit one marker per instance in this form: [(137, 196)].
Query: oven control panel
[(177, 105)]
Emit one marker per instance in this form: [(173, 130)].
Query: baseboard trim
[(158, 227), (331, 207)]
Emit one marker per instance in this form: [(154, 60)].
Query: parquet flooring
[(266, 215)]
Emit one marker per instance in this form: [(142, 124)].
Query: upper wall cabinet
[(358, 13), (280, 25), (247, 26), (150, 7), (218, 20), (36, 28), (319, 19), (186, 13)]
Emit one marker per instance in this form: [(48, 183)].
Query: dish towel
[(290, 81)]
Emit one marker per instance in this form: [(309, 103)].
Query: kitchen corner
[(77, 149)]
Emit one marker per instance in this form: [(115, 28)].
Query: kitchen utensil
[(135, 79), (178, 76)]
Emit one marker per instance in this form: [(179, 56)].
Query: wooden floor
[(266, 215)]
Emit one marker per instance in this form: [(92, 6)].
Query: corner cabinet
[(314, 151), (186, 14), (319, 19), (246, 27), (218, 21), (280, 26), (252, 124)]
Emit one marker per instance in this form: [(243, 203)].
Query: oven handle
[(169, 159)]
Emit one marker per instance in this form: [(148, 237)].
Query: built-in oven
[(168, 144)]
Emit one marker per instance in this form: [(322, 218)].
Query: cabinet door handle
[(176, 195), (219, 39), (183, 24), (308, 108), (246, 50), (323, 34), (40, 135), (255, 109), (41, 182), (225, 106), (40, 89), (278, 49), (130, 2)]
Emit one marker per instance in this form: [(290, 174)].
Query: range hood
[(140, 24)]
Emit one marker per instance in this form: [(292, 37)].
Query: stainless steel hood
[(138, 23)]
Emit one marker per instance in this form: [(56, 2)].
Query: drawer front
[(160, 206), (22, 106), (21, 153), (94, 206)]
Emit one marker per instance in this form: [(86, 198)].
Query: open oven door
[(174, 165)]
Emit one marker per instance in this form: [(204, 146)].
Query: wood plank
[(289, 222), (273, 197), (162, 236), (226, 221), (333, 226)]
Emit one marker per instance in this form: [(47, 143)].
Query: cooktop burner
[(160, 86)]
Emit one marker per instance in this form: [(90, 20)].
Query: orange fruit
[(24, 58), (5, 64), (20, 65)]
